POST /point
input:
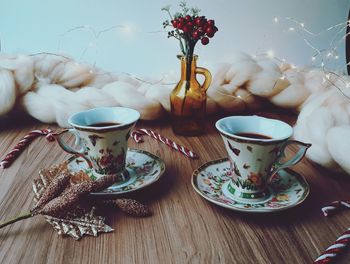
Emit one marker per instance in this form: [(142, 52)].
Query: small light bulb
[(302, 24), (313, 58), (329, 54), (347, 85), (275, 19), (270, 54), (336, 57), (291, 29)]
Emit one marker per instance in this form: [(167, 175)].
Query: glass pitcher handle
[(207, 76)]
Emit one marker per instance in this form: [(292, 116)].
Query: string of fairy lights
[(93, 44), (323, 55), (321, 58), (95, 35)]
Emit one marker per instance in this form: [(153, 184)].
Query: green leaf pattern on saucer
[(287, 188)]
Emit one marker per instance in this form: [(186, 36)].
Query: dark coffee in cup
[(253, 135), (105, 124)]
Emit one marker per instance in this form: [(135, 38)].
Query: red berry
[(210, 32), (210, 35), (175, 23), (181, 20), (195, 35), (205, 27), (200, 31), (188, 18), (199, 21), (186, 29), (190, 25), (205, 40), (211, 22), (180, 25)]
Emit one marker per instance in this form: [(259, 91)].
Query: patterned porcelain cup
[(256, 150), (102, 135)]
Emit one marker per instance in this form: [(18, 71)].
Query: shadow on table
[(310, 208), (8, 123), (325, 187), (276, 218), (149, 194)]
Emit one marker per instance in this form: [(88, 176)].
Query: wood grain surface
[(184, 228)]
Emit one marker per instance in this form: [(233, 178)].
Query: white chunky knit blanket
[(50, 88)]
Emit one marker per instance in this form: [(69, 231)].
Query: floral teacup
[(102, 133), (255, 147)]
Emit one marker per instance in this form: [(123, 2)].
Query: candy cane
[(50, 136), (333, 250), (137, 136), (335, 206), (23, 143), (342, 242)]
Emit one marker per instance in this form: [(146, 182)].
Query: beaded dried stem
[(62, 204)]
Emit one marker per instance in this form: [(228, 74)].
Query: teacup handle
[(279, 165), (65, 146)]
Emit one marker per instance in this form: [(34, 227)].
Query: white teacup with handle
[(102, 135), (256, 150)]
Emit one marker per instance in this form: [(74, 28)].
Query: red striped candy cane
[(334, 207), (23, 143), (333, 250), (343, 240), (137, 136)]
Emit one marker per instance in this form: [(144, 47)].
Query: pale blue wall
[(35, 25)]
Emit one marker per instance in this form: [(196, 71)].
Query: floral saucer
[(144, 169), (287, 189)]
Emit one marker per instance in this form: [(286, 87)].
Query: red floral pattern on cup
[(108, 163)]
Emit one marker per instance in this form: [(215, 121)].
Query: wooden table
[(184, 227)]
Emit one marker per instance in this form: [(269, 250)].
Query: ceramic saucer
[(144, 169), (287, 189)]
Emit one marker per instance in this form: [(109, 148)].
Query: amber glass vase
[(188, 99)]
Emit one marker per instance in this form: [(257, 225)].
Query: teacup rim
[(253, 140), (104, 128)]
